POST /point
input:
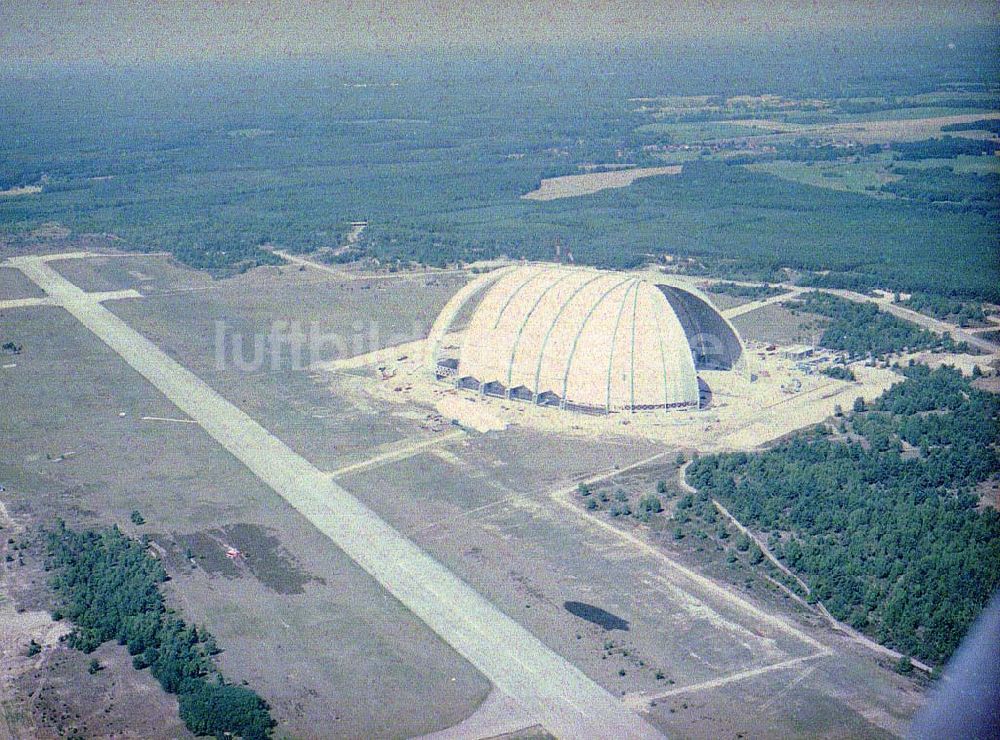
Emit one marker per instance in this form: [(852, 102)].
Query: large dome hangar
[(586, 340)]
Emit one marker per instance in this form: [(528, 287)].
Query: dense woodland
[(945, 147), (964, 313), (109, 588), (992, 125), (941, 186), (217, 164), (879, 513), (862, 330)]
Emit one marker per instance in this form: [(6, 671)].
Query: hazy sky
[(125, 32)]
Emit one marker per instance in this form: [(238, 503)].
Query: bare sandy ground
[(498, 715), (809, 406), (569, 186), (23, 190), (551, 689), (743, 416), (17, 630), (966, 364)]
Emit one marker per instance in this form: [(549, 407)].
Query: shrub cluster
[(109, 586)]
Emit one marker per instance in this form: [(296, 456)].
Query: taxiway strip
[(348, 275), (732, 313), (397, 452), (26, 302)]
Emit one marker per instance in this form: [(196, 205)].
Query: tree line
[(862, 330), (942, 187), (964, 313), (985, 124), (109, 588), (946, 147), (879, 512)]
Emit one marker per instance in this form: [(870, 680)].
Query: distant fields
[(838, 175), (569, 186)]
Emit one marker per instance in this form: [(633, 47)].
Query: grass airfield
[(309, 629), (315, 635)]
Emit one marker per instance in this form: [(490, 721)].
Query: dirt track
[(928, 322), (552, 690), (884, 304), (834, 622)]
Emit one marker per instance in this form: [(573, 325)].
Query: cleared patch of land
[(570, 186), (22, 190), (775, 324), (872, 131), (723, 301), (494, 514), (13, 284), (853, 177), (65, 699), (732, 313)]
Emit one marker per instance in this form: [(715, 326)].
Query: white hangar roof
[(589, 338)]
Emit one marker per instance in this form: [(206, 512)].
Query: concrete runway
[(547, 686)]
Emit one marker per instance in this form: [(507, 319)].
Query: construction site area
[(696, 384), (383, 547)]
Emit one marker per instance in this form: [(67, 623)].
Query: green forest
[(992, 125), (964, 313), (946, 147), (435, 154), (109, 588), (879, 512), (862, 330), (839, 372), (943, 187)]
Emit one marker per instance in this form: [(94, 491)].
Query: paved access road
[(884, 303), (551, 689), (732, 313), (928, 322)]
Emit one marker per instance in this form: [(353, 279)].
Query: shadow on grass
[(595, 614)]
